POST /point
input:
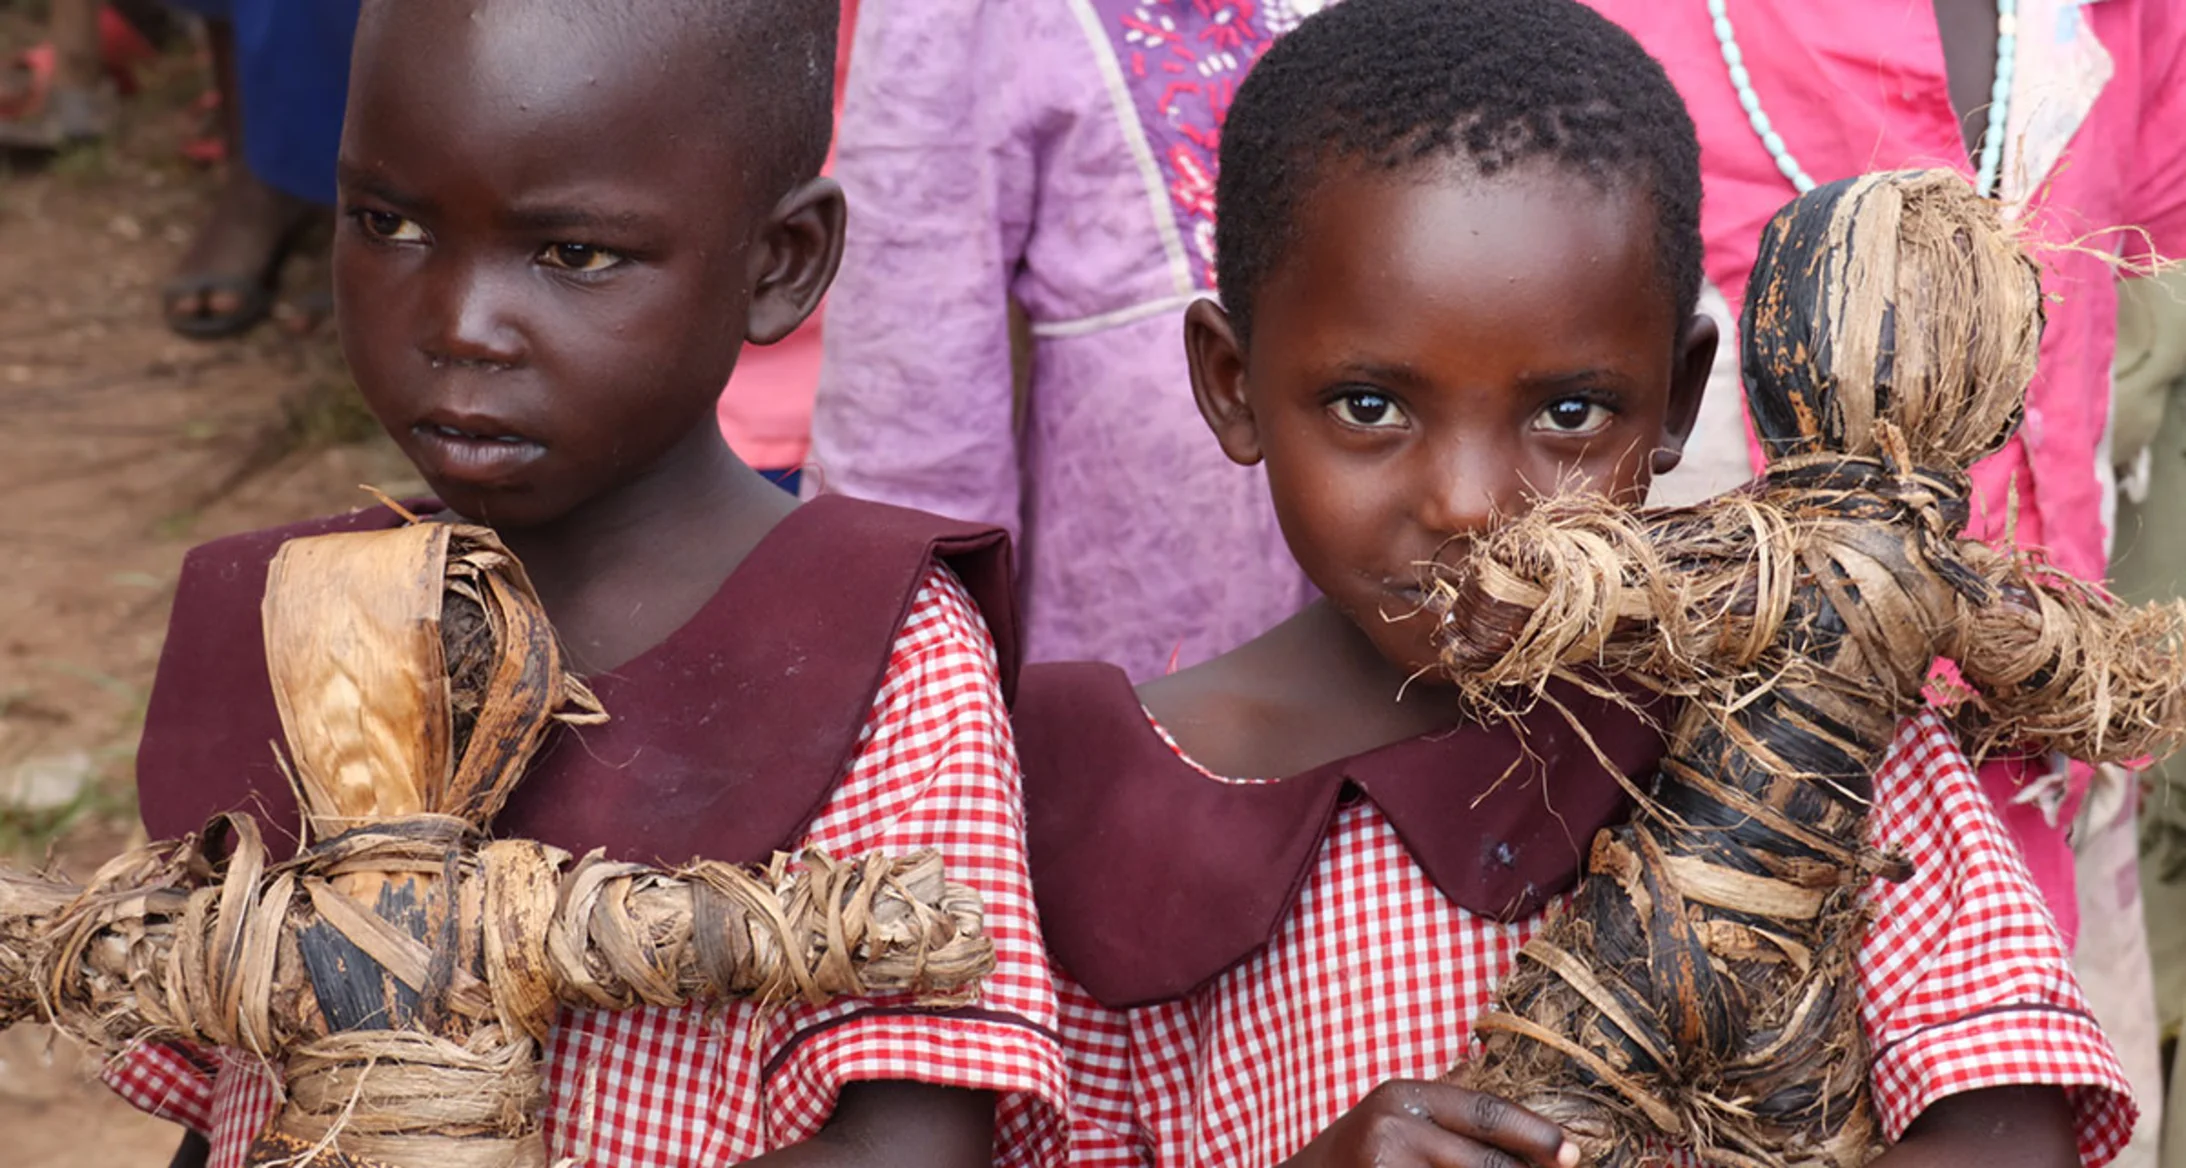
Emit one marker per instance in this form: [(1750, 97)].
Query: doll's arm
[(1671, 597), (2057, 665)]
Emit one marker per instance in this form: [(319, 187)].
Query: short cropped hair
[(1392, 84), (778, 72)]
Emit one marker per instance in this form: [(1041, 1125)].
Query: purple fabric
[(723, 741), (1152, 877), (992, 151)]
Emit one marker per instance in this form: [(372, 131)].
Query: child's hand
[(1404, 1124)]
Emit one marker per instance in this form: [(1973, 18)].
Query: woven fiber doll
[(403, 969), (1700, 987)]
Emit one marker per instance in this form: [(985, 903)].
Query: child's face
[(1435, 350), (548, 252)]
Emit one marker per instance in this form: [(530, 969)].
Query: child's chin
[(506, 510), (1415, 656)]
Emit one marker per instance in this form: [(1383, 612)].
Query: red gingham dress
[(666, 1088), (1375, 975)]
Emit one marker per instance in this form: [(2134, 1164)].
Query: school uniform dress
[(840, 691), (1241, 961)]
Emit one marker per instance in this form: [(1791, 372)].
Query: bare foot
[(226, 282)]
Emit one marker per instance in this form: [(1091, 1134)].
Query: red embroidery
[(1182, 62)]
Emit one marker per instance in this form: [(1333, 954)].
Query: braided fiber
[(1700, 991)]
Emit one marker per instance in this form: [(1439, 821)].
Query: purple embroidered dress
[(1061, 152)]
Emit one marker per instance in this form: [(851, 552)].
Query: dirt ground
[(122, 445)]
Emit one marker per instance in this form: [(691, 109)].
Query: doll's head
[(1899, 296)]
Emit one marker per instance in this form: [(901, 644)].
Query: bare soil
[(121, 446)]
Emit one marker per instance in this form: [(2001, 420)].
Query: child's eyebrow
[(1574, 379), (1381, 373), (349, 177), (566, 218)]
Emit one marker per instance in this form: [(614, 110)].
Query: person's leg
[(2111, 955), (74, 28), (283, 67), (57, 94)]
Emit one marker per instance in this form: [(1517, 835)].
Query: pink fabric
[(766, 411), (1861, 86)]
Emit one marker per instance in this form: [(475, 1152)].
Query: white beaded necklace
[(1992, 138)]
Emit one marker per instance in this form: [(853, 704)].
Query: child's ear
[(1218, 380), (1688, 381), (796, 260)]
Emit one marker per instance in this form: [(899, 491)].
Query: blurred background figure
[(282, 67), (61, 92), (281, 73), (1059, 154), (2149, 448)]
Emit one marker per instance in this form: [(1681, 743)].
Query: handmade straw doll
[(1699, 988), (403, 969)]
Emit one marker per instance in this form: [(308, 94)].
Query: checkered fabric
[(662, 1088), (1375, 976)]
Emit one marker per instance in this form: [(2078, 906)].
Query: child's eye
[(1576, 416), (578, 257), (1367, 410), (393, 228)]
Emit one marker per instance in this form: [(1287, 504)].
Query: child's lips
[(471, 453), (1409, 593)]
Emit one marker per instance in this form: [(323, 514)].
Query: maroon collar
[(724, 740), (1153, 879)]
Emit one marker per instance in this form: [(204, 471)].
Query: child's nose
[(1465, 492), (473, 320)]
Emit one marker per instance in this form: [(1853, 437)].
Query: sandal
[(184, 299), (253, 301)]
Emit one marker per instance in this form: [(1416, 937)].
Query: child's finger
[(1484, 1119)]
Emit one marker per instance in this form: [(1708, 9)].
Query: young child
[(561, 221), (1459, 256)]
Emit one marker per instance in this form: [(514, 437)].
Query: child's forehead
[(541, 91), (1469, 196), (1444, 220), (1444, 267), (547, 57)]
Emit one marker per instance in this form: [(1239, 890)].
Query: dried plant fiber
[(1699, 992), (402, 969)]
